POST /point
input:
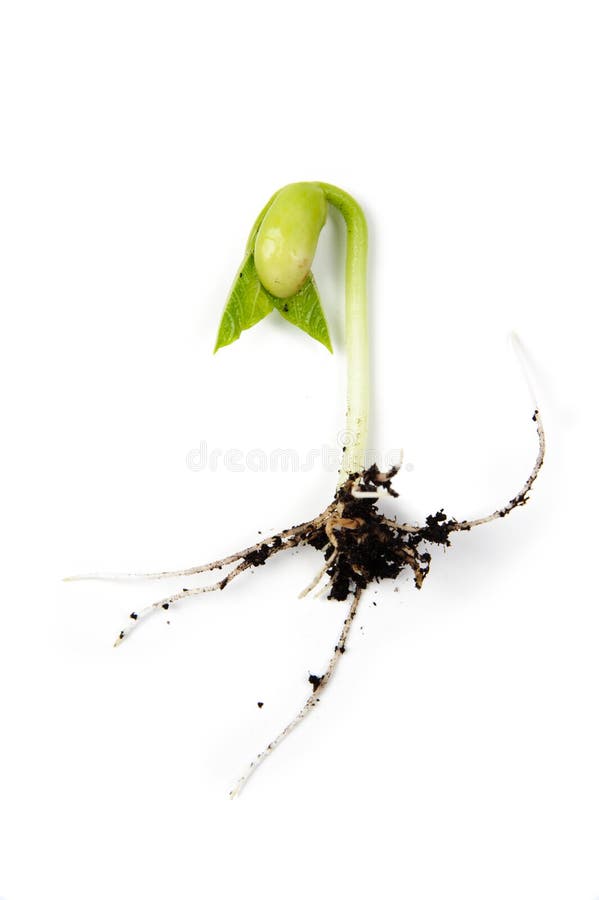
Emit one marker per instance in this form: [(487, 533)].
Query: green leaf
[(247, 304), (305, 310)]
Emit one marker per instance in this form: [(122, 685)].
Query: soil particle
[(314, 681), (437, 529), (258, 557)]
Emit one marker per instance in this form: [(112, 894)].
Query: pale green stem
[(356, 331)]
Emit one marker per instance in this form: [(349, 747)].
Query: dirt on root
[(362, 545)]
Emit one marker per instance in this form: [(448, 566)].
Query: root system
[(360, 546)]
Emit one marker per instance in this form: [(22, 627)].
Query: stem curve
[(356, 329)]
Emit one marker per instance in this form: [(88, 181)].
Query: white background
[(455, 755)]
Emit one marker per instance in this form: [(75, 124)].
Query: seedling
[(358, 543)]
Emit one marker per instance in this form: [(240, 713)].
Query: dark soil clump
[(360, 544)]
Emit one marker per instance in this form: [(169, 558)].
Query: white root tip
[(525, 364), (104, 576)]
